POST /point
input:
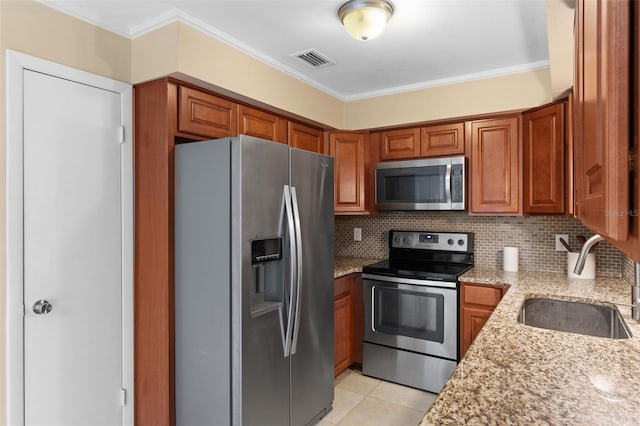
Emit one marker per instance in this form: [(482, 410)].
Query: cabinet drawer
[(206, 115), (482, 295)]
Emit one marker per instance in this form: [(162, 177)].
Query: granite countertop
[(347, 265), (517, 374)]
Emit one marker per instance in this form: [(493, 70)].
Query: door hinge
[(121, 134), (123, 397)]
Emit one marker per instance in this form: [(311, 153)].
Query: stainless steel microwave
[(428, 184)]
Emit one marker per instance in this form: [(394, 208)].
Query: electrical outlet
[(357, 234), (559, 246)]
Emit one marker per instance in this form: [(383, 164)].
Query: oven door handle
[(373, 315)]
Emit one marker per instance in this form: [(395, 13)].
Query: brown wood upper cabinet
[(602, 114), (400, 144), (443, 139), (430, 141), (261, 124), (305, 137), (203, 114), (544, 160), (495, 166), (348, 151)]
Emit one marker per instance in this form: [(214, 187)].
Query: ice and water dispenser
[(267, 276)]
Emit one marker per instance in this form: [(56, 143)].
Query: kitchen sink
[(574, 317)]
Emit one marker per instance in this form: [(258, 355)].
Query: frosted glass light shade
[(365, 20)]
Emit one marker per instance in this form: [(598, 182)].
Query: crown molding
[(465, 78)]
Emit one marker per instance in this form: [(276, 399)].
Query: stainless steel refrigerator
[(254, 240)]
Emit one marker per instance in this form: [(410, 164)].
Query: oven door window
[(408, 313)]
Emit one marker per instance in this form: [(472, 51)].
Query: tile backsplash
[(628, 269), (534, 237)]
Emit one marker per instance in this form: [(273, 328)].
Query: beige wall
[(560, 22), (180, 48), (505, 93)]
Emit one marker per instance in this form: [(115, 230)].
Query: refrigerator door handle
[(296, 216), (293, 270)]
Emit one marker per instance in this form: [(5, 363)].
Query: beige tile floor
[(362, 400)]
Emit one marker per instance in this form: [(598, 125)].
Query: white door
[(74, 206)]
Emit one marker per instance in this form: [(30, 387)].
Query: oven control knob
[(450, 242), (460, 242), (406, 240)]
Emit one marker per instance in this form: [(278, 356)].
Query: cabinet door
[(205, 115), (444, 139), (602, 116), (342, 333), (400, 144), (261, 124), (348, 151), (305, 137), (473, 319), (544, 160), (495, 166), (478, 302), (357, 319)]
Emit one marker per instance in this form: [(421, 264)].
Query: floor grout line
[(369, 395)]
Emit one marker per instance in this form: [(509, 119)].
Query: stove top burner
[(418, 270), (426, 256)]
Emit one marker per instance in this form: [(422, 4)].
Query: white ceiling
[(427, 43)]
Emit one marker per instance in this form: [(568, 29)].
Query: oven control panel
[(441, 241)]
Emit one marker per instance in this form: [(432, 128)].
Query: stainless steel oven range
[(411, 308)]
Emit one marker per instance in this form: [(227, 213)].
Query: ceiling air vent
[(313, 58)]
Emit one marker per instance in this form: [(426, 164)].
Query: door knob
[(42, 307)]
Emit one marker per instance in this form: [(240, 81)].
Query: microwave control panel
[(440, 241)]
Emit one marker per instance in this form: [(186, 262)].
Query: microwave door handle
[(447, 184)]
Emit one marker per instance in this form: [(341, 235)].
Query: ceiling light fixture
[(365, 20)]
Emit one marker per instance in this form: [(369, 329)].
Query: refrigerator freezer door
[(202, 277), (259, 173), (312, 362)]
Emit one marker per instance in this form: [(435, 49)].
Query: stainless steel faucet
[(635, 291), (582, 257)]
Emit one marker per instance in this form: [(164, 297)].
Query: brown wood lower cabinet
[(342, 333), (477, 302), (357, 320), (348, 325)]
